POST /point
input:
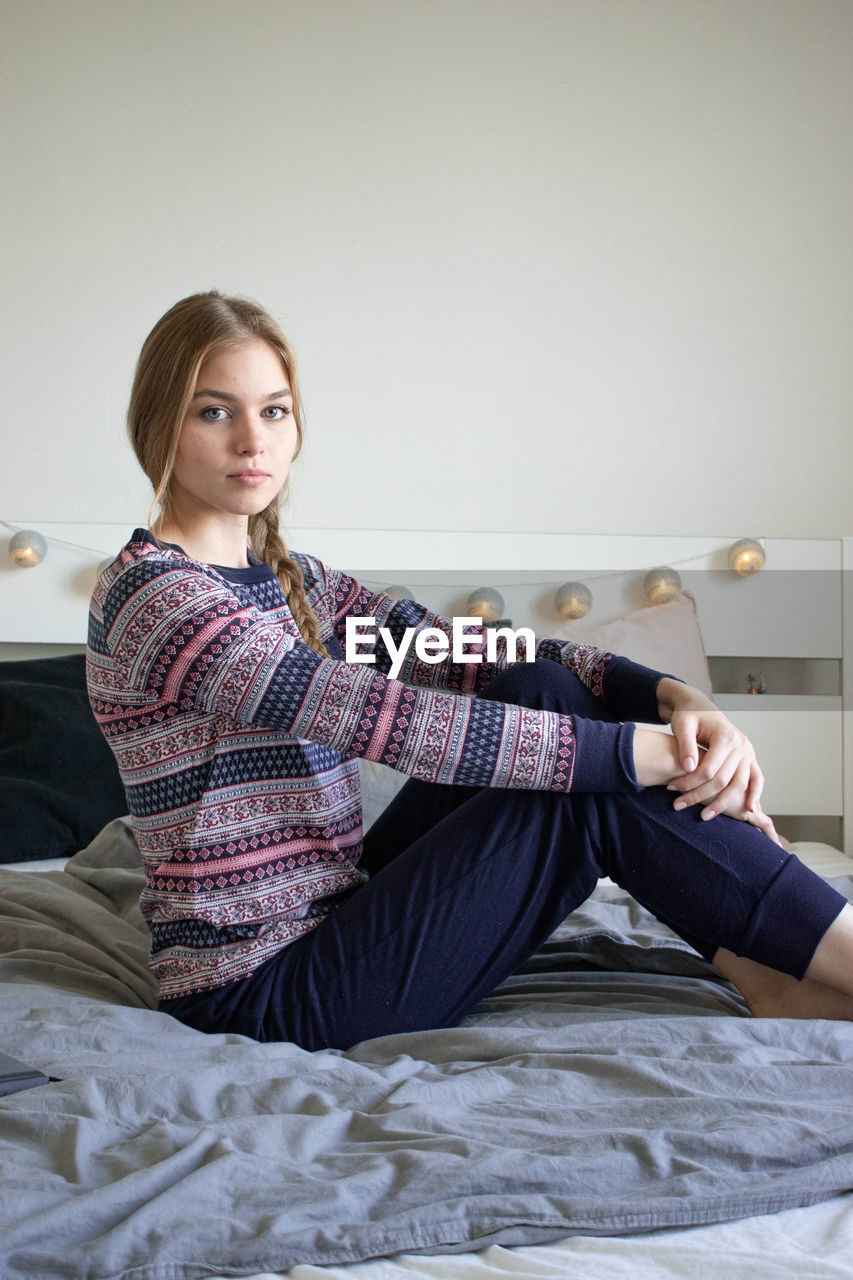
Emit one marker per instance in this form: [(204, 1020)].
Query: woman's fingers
[(727, 778), (764, 823), (732, 799), (706, 790), (756, 786), (724, 743), (684, 727)]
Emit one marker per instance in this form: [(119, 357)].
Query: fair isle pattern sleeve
[(627, 688), (181, 639)]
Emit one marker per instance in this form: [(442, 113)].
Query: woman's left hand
[(720, 769)]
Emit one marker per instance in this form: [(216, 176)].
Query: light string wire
[(51, 540), (564, 580), (438, 582)]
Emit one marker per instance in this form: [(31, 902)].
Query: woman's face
[(238, 438)]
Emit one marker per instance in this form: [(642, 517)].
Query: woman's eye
[(276, 412), (213, 413)]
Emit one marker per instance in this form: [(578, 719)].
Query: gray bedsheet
[(615, 1085)]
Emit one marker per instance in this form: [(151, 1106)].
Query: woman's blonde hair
[(163, 387)]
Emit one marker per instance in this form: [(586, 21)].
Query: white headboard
[(791, 609)]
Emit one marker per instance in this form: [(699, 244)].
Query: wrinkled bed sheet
[(616, 1084)]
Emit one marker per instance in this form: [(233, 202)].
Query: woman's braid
[(269, 545)]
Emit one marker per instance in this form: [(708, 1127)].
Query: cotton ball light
[(573, 600), (661, 585), (27, 548), (746, 557), (485, 603)]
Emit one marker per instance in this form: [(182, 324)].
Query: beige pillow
[(665, 637)]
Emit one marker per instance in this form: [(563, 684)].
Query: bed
[(611, 1107)]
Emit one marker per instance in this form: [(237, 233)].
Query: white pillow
[(665, 637)]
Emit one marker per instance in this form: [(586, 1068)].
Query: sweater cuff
[(604, 756), (630, 690)]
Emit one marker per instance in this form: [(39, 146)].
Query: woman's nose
[(249, 437)]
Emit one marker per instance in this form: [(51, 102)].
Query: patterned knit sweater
[(237, 743)]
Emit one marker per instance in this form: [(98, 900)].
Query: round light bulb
[(573, 600), (27, 548), (485, 603), (661, 585), (746, 557)]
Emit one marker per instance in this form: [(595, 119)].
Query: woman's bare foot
[(770, 994)]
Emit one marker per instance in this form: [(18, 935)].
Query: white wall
[(554, 265)]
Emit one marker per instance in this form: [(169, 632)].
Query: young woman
[(217, 673)]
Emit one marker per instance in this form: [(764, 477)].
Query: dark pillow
[(59, 783)]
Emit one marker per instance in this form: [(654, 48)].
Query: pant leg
[(720, 883), (467, 882)]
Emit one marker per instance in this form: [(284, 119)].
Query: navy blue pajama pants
[(467, 882)]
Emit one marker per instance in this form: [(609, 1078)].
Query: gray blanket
[(616, 1084)]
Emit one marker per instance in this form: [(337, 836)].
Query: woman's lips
[(250, 478)]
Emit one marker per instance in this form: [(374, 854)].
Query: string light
[(662, 585), (27, 548), (746, 557), (50, 541), (573, 600), (441, 581), (485, 603)]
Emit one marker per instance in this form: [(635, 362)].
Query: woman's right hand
[(656, 763)]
